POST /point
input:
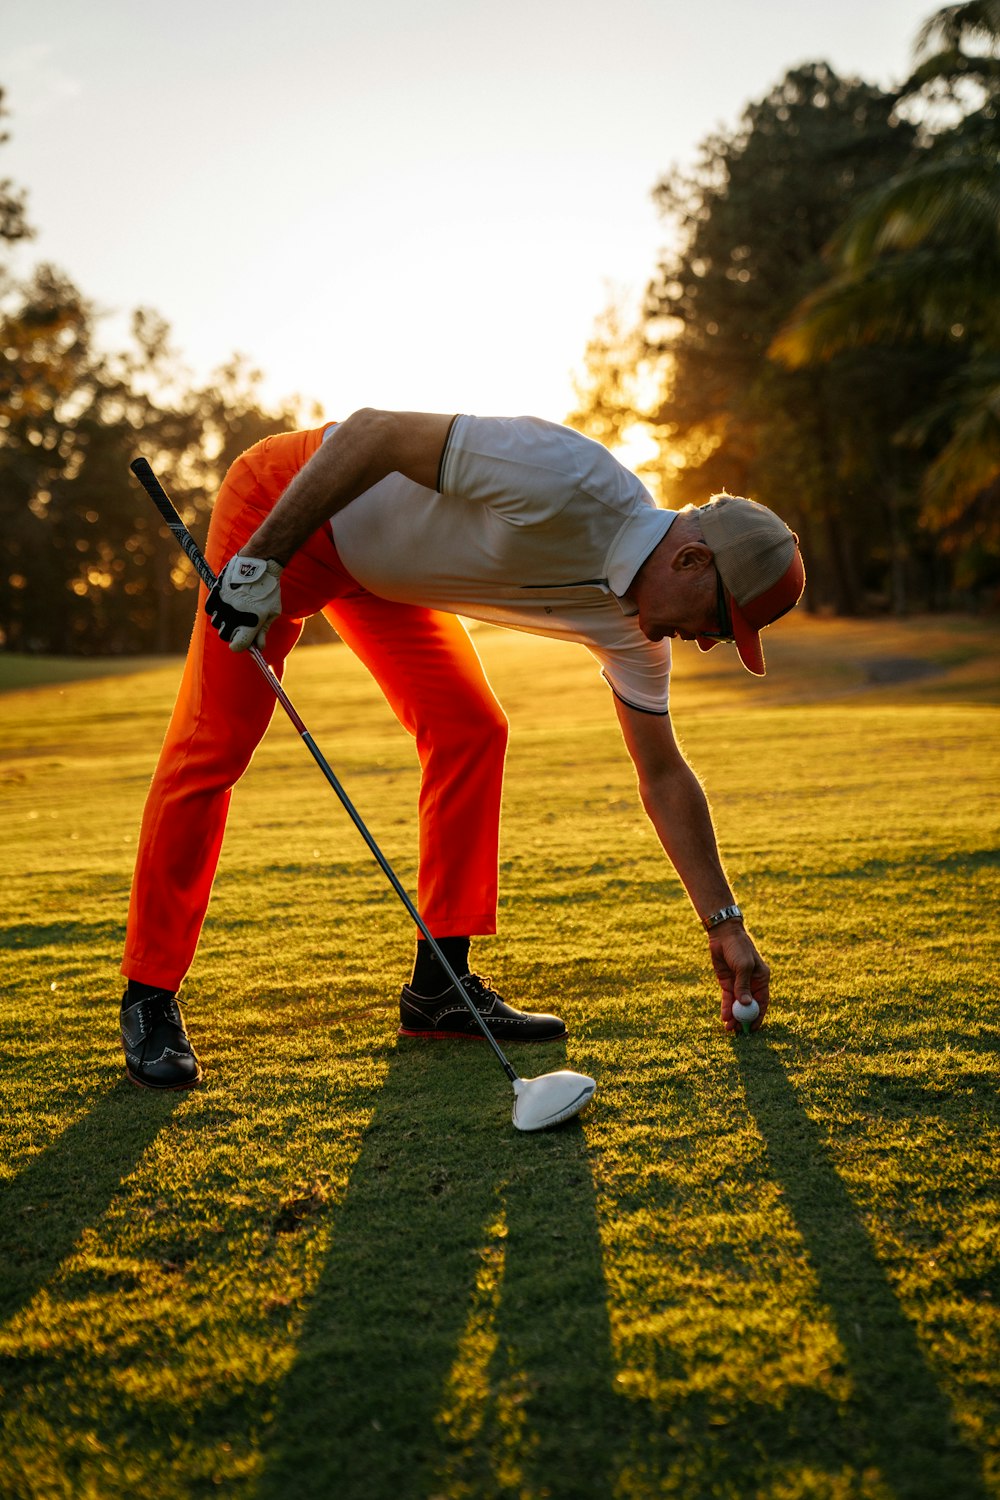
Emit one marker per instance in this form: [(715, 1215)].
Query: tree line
[(823, 332), (87, 567)]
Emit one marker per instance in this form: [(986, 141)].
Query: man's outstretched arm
[(679, 811), (357, 454)]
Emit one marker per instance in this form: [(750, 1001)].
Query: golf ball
[(745, 1014)]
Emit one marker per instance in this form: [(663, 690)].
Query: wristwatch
[(724, 915)]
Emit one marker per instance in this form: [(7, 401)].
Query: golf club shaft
[(154, 489)]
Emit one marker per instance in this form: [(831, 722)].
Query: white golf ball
[(745, 1013)]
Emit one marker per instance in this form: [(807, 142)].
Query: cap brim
[(748, 645), (747, 639), (765, 608)]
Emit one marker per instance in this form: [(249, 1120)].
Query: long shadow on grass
[(69, 1185), (899, 1414), (459, 1329)]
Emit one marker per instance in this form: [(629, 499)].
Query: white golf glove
[(245, 600)]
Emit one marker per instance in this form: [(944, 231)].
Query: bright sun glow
[(384, 204)]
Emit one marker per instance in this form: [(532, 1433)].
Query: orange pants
[(431, 676)]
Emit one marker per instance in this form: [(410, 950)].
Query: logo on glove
[(248, 569)]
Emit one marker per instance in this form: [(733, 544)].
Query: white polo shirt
[(535, 527)]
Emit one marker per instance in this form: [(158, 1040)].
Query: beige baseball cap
[(761, 569)]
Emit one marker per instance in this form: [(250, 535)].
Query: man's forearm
[(339, 471), (678, 809)]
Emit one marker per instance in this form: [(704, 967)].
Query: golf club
[(538, 1102)]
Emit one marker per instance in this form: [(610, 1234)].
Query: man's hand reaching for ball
[(742, 974)]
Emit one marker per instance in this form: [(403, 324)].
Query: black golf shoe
[(158, 1054), (443, 1016)]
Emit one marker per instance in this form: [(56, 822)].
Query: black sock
[(139, 991), (428, 976)]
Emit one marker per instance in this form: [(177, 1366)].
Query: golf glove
[(245, 600)]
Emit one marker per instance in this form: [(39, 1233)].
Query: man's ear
[(692, 555)]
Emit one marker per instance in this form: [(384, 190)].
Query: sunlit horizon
[(422, 207)]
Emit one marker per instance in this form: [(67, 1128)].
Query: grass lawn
[(18, 670), (755, 1267)]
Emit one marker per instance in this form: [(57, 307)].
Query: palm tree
[(919, 260)]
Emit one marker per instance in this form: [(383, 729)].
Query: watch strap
[(724, 914)]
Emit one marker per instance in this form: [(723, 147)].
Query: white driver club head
[(541, 1102)]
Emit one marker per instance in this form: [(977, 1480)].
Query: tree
[(89, 567), (750, 224), (86, 566), (45, 340), (13, 210), (619, 391), (916, 264)]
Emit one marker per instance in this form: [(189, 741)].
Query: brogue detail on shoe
[(443, 1016), (158, 1053)]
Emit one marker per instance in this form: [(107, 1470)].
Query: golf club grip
[(154, 489)]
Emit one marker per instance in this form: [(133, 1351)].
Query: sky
[(403, 203)]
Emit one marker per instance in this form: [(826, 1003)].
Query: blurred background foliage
[(822, 333), (87, 567)]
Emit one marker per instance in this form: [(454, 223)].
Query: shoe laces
[(480, 990), (158, 1009)]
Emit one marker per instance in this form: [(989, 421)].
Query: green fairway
[(18, 670), (756, 1267)]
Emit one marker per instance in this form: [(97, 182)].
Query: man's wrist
[(262, 545), (730, 913)]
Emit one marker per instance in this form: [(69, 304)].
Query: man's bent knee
[(485, 724)]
